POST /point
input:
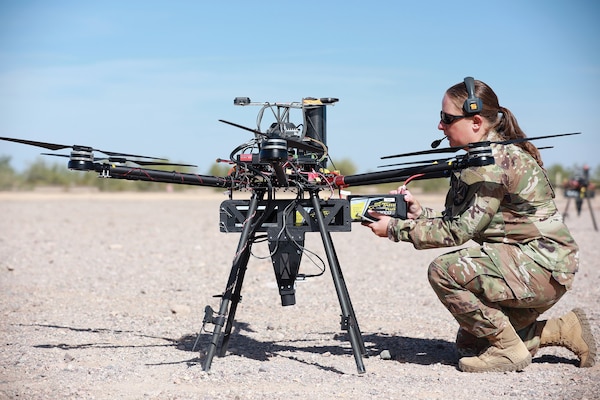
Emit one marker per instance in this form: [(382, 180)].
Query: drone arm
[(144, 174), (479, 154), (394, 175)]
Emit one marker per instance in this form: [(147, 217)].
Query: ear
[(477, 122)]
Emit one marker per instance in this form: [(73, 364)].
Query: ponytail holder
[(501, 111)]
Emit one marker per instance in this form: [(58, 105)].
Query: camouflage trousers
[(485, 288)]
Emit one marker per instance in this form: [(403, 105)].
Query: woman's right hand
[(413, 207)]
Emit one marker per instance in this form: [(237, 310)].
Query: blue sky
[(154, 77)]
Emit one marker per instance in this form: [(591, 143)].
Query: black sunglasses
[(447, 119)]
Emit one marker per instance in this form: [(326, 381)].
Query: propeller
[(454, 149), (82, 157), (123, 160), (244, 127), (290, 142), (439, 161), (54, 146)]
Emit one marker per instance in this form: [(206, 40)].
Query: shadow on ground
[(402, 349)]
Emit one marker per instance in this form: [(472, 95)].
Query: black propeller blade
[(427, 162), (511, 141), (144, 162), (125, 160), (244, 127), (54, 146), (439, 161), (426, 152), (290, 142), (456, 148)]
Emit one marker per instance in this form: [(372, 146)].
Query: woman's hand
[(413, 207), (378, 227), (413, 211)]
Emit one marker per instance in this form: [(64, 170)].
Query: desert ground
[(102, 296)]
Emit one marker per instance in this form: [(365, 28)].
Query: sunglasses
[(447, 119)]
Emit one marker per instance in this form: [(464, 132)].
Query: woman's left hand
[(378, 227)]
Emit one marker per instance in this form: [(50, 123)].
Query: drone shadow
[(402, 349), (100, 345)]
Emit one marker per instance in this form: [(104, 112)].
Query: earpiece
[(472, 104)]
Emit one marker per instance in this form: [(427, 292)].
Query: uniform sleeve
[(429, 213), (473, 200)]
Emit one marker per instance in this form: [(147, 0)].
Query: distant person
[(580, 179), (526, 258)]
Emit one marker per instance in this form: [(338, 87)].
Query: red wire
[(412, 177)]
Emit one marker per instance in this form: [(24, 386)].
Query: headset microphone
[(436, 143)]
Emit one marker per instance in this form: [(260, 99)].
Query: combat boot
[(469, 345), (572, 331), (505, 353)]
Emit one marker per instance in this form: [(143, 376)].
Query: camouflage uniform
[(527, 257)]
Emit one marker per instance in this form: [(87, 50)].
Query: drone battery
[(388, 204)]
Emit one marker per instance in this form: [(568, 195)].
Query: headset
[(473, 104)]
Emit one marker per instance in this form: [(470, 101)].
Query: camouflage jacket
[(508, 203)]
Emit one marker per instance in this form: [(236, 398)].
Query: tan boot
[(505, 353), (572, 331), (469, 345)]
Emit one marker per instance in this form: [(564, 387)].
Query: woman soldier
[(526, 259)]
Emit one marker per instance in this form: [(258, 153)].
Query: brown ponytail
[(508, 127)]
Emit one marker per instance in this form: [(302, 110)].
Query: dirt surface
[(102, 297)]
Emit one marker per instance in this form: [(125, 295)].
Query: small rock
[(180, 309)]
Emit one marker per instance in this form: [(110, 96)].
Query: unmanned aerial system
[(285, 156)]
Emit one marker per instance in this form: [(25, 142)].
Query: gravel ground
[(102, 296)]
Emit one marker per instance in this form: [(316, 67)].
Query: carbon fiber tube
[(152, 175)]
